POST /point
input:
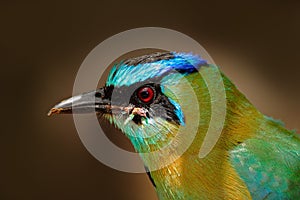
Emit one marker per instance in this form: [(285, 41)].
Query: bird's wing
[(270, 169)]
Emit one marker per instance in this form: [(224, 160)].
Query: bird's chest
[(192, 178), (180, 180)]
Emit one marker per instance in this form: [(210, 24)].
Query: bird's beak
[(95, 101)]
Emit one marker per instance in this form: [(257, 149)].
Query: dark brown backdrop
[(43, 44)]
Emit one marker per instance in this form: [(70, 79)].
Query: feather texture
[(254, 158)]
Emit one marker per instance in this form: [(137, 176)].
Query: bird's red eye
[(145, 94)]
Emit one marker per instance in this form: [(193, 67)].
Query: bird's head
[(144, 97)]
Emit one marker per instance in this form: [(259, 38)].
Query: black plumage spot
[(137, 119), (150, 177)]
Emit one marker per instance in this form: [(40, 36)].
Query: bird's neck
[(240, 118), (212, 175)]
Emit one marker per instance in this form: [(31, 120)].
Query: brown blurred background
[(43, 43)]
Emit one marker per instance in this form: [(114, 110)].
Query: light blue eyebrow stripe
[(178, 111)]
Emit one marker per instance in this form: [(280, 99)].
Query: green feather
[(269, 162)]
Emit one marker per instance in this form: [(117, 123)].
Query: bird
[(149, 98)]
